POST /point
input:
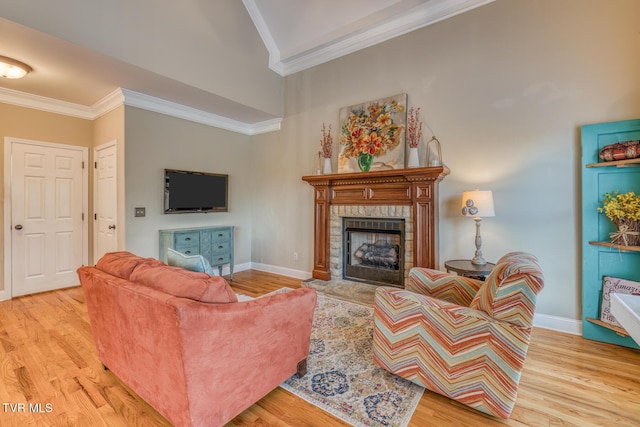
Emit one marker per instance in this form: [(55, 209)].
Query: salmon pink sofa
[(183, 342)]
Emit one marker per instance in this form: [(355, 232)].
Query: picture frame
[(372, 135)]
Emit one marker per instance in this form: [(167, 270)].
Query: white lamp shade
[(477, 204)]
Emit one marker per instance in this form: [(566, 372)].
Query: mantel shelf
[(616, 246), (393, 175), (616, 163)]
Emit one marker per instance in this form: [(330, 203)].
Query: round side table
[(464, 267)]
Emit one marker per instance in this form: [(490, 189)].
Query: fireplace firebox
[(374, 250)]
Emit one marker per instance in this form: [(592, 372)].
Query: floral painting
[(372, 135)]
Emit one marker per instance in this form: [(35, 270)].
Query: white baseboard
[(4, 295), (289, 272), (560, 324)]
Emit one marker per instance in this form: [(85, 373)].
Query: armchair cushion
[(445, 286), (510, 291)]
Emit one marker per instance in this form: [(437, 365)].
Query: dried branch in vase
[(326, 142), (414, 128)]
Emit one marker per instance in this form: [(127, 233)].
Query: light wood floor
[(47, 358)]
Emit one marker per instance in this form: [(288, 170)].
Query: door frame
[(100, 147), (6, 293)]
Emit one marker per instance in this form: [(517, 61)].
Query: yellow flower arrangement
[(619, 206), (624, 211)]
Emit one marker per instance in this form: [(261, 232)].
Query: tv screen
[(187, 191)]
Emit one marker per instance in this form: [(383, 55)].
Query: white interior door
[(105, 198), (48, 198)]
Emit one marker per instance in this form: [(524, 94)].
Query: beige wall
[(506, 88), (156, 142), (25, 123)]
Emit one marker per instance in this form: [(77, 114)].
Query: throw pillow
[(184, 283), (189, 262), (122, 263)]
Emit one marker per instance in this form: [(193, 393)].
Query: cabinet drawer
[(188, 250), (187, 242), (220, 259), (189, 238), (220, 248), (218, 236)]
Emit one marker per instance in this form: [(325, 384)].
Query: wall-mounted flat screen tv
[(189, 192)]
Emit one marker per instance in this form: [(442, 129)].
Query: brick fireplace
[(407, 194)]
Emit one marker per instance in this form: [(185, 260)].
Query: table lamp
[(477, 205)]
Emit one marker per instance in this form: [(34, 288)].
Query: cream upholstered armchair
[(460, 337)]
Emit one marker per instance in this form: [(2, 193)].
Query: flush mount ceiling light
[(12, 69)]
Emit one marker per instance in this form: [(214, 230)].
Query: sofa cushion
[(190, 262), (122, 263), (184, 283)]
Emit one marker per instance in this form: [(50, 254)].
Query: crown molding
[(122, 96), (428, 13), (50, 105), (150, 103), (108, 103)]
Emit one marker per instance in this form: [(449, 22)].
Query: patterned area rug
[(342, 378), (346, 290)]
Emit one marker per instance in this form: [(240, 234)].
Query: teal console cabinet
[(213, 243), (600, 257)]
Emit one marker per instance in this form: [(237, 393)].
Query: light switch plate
[(140, 212)]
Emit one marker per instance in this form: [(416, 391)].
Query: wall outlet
[(139, 211), (295, 256)]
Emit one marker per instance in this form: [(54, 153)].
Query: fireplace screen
[(374, 250)]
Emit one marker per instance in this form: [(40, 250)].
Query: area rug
[(346, 290), (341, 376)]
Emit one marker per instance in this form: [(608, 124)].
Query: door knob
[(112, 227), (18, 227)]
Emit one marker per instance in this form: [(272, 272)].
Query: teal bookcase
[(599, 257)]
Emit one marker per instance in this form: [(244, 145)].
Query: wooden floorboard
[(48, 361)]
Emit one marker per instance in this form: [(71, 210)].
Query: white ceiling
[(298, 34), (302, 34)]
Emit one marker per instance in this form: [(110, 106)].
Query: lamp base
[(478, 260)]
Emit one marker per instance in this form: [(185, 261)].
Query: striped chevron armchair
[(460, 337)]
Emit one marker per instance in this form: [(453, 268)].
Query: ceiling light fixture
[(13, 69)]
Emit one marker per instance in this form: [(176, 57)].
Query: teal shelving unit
[(599, 257)]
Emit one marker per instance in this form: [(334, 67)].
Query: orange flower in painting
[(371, 130)]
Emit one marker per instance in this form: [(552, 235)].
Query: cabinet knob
[(220, 246), (187, 252), (187, 238), (220, 259)]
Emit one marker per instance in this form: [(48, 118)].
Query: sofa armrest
[(443, 286), (236, 353)]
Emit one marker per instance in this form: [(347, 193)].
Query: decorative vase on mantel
[(412, 161), (365, 160), (326, 169)]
